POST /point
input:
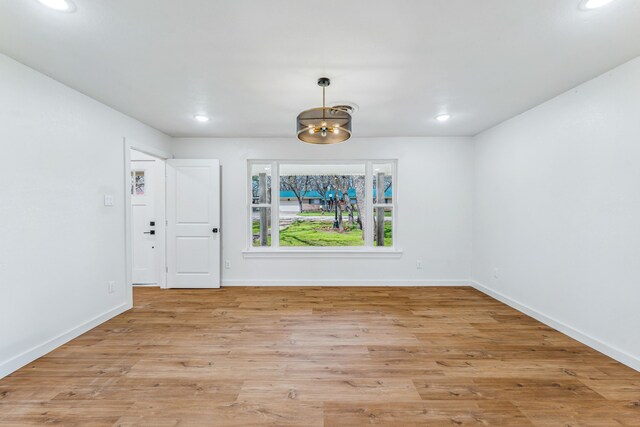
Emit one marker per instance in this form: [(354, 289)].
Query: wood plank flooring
[(321, 356)]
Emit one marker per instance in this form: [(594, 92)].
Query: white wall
[(557, 212), (434, 211), (59, 246)]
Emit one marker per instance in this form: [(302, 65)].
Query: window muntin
[(383, 206), (260, 226), (260, 182), (320, 205)]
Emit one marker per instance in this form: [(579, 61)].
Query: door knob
[(152, 232), (215, 230)]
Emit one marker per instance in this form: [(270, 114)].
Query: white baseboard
[(372, 282), (586, 339), (17, 362)]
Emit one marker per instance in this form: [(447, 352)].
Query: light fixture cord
[(323, 103)]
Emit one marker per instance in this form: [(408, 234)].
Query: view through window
[(321, 204)]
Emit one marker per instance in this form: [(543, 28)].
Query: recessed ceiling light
[(59, 5), (201, 118), (593, 4), (443, 117)]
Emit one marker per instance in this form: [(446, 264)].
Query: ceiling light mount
[(324, 82), (348, 107), (325, 125)]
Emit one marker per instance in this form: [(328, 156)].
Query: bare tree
[(387, 183), (342, 184), (338, 188), (359, 185), (348, 184), (298, 184), (322, 184)]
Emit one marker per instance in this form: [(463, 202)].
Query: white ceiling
[(252, 65)]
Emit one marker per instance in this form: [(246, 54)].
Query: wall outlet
[(419, 264), (111, 287), (496, 273), (227, 264), (108, 199)]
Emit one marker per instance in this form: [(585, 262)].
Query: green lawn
[(319, 233), (256, 232), (319, 213)]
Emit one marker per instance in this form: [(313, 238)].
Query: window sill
[(322, 253)]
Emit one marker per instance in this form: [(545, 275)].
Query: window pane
[(261, 183), (137, 183), (382, 226), (322, 204), (261, 226), (383, 178)]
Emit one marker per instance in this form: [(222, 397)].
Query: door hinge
[(166, 269)]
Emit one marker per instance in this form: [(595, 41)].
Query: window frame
[(367, 250)]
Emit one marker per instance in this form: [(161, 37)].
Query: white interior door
[(193, 215), (143, 225)]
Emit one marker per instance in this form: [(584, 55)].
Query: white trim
[(128, 249), (128, 246), (28, 356), (274, 251), (275, 206), (305, 252), (152, 151), (371, 282), (586, 339), (368, 212)]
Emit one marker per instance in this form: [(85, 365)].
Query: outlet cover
[(111, 287)]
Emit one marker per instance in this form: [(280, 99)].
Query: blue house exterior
[(315, 198)]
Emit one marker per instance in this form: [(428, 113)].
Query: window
[(320, 205), (382, 204), (137, 183), (260, 204)]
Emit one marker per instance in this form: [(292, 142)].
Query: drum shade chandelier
[(326, 125)]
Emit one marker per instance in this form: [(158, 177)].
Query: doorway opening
[(147, 209)]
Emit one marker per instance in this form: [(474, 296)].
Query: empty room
[(340, 213)]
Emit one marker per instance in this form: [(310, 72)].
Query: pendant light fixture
[(326, 125)]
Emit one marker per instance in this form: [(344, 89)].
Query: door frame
[(161, 155)]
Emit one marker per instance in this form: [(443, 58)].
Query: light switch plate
[(108, 199)]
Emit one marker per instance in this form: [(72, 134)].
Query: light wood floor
[(321, 356)]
